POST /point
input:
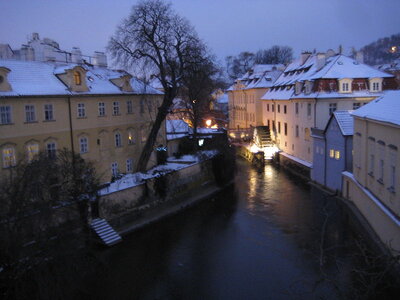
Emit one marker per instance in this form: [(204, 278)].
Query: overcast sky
[(227, 26)]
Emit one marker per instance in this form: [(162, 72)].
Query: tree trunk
[(149, 146)]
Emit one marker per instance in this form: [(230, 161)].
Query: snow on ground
[(173, 164)]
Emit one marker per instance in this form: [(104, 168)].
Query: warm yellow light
[(215, 126), (254, 148), (393, 49), (208, 122)]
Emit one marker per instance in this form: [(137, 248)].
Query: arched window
[(83, 144), (31, 151), (118, 140), (9, 159), (77, 78)]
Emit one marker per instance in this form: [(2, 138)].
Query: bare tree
[(155, 37), (274, 55), (239, 65)]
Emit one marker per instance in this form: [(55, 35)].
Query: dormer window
[(345, 85), (298, 87), (77, 78), (4, 85), (375, 85)]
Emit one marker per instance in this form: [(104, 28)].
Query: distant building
[(244, 96), (332, 151), (374, 184), (176, 131), (307, 93), (103, 115)]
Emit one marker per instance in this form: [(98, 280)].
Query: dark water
[(267, 237)]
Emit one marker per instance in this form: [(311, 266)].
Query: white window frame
[(102, 109), (332, 108), (83, 144), (118, 140), (116, 110), (114, 169), (81, 110), (129, 106), (30, 114), (32, 150), (9, 158), (5, 114), (129, 165), (48, 112)]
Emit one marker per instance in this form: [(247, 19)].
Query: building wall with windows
[(105, 125), (374, 185)]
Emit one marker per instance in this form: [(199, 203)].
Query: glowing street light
[(208, 123)]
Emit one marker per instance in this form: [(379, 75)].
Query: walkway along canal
[(269, 236)]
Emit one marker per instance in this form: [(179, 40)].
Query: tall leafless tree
[(155, 37)]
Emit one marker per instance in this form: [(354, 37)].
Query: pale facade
[(374, 185), (245, 108), (309, 91), (101, 114)]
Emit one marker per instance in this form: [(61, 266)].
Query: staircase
[(262, 137), (106, 233)]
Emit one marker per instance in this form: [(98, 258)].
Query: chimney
[(330, 53), (99, 59), (35, 36), (27, 53), (304, 56), (321, 60), (76, 55), (360, 57)]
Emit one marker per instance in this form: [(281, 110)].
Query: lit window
[(116, 108), (9, 159), (5, 114), (83, 145), (30, 115), (129, 107), (131, 141), (81, 110), (31, 151), (129, 165), (77, 78), (118, 140), (48, 112), (337, 154), (102, 109), (331, 153), (51, 149)]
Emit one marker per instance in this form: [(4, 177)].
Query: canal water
[(268, 236)]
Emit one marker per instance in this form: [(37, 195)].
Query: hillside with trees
[(382, 51)]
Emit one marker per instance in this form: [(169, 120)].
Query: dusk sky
[(227, 26)]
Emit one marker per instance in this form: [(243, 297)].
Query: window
[(118, 140), (129, 107), (345, 86), (141, 106), (51, 149), (285, 128), (332, 108), (273, 125), (114, 169), (371, 165), (102, 109), (31, 151), (331, 153), (307, 134), (83, 145), (297, 130), (284, 109), (77, 78), (129, 165), (48, 112), (267, 107), (279, 127), (115, 108), (356, 105), (30, 113), (131, 141), (375, 86), (272, 107), (381, 170), (392, 178), (81, 110), (279, 108), (9, 159), (296, 108), (337, 154), (308, 109), (5, 114)]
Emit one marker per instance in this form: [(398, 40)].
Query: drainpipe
[(325, 159), (70, 127)]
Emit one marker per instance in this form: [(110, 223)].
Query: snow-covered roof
[(176, 129), (34, 78), (385, 108), (318, 66), (345, 121), (259, 76)]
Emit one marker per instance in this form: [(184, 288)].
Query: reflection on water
[(269, 237)]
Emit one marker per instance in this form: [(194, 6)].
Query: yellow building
[(102, 114), (245, 94), (374, 185)]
